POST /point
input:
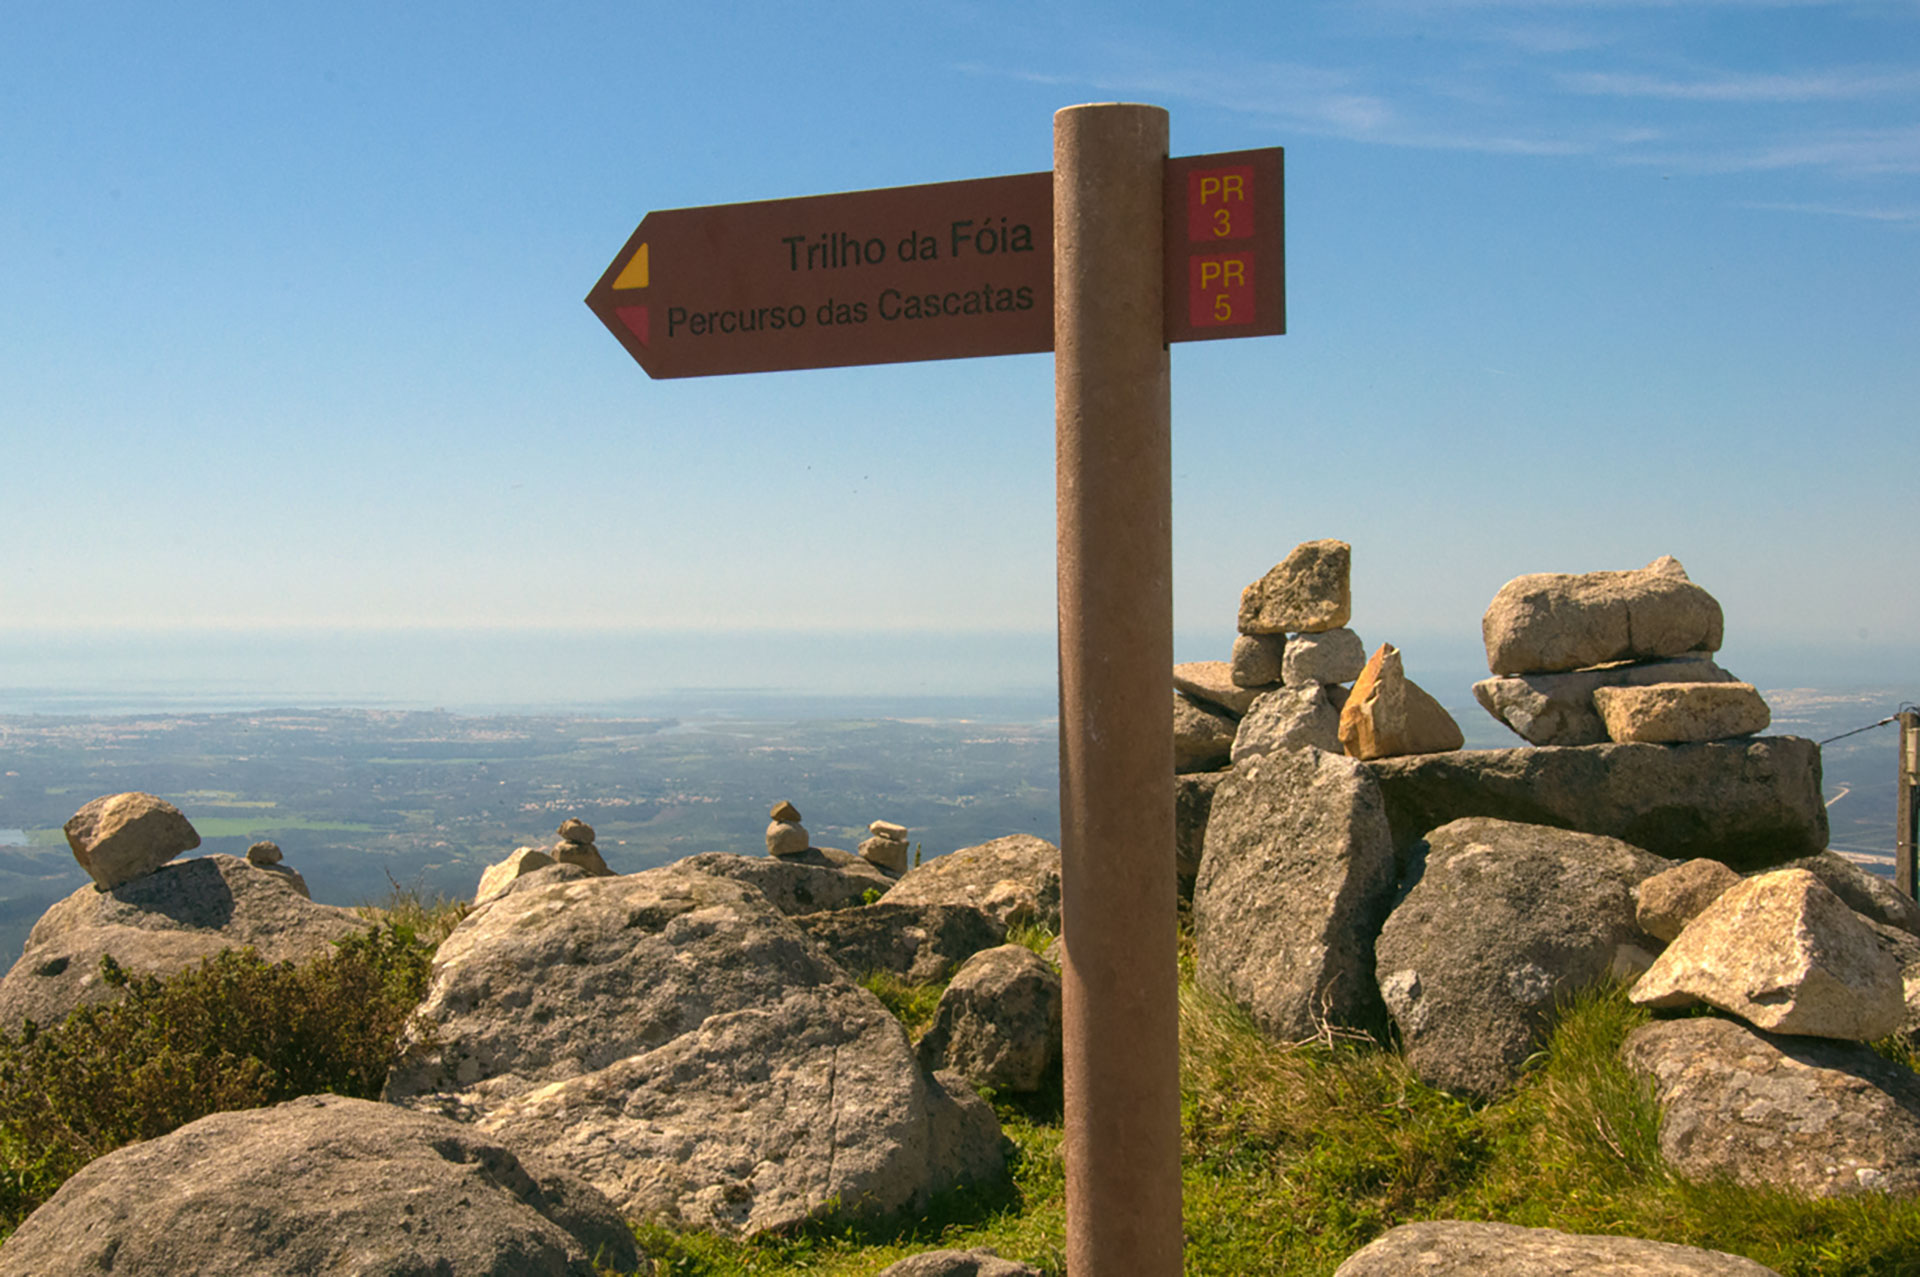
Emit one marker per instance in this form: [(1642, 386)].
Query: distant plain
[(421, 758)]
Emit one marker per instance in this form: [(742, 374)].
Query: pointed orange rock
[(1388, 714)]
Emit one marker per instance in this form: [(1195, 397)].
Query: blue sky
[(293, 337)]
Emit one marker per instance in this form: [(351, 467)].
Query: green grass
[(912, 1004), (1295, 1158), (253, 826)]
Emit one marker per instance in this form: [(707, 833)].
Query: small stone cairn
[(1293, 675), (267, 855), (886, 848), (576, 848), (1581, 659), (786, 836)]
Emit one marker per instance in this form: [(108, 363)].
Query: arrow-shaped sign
[(943, 271)]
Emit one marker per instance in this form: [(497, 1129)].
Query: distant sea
[(532, 671), (587, 672)]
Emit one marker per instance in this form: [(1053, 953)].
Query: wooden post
[(1906, 854), (1113, 412)]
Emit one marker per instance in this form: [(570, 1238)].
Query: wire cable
[(1907, 707)]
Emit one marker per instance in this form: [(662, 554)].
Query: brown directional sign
[(943, 271), (868, 277)]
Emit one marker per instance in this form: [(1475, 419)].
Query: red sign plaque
[(1225, 246)]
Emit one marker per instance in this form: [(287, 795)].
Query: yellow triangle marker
[(635, 275)]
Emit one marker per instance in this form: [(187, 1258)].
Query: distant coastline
[(802, 673)]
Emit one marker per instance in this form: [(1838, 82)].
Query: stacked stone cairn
[(886, 847), (575, 848), (1621, 656), (745, 1023), (786, 836), (268, 856), (1298, 677)]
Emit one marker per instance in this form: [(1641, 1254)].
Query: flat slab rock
[(1462, 1248), (166, 921), (1828, 1119), (1015, 878), (1558, 709), (321, 1184), (1212, 682), (1750, 803), (807, 882), (687, 1049), (1673, 712), (1503, 922)]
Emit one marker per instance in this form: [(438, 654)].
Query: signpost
[(944, 271), (1116, 253)]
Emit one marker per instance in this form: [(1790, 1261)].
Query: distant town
[(362, 800)]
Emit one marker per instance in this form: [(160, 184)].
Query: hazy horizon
[(545, 670)]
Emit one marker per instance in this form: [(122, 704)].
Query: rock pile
[(786, 836), (1287, 684), (576, 848), (677, 1039), (268, 856), (886, 846), (1462, 896), (1622, 656)]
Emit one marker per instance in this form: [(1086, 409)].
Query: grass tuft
[(912, 1004)]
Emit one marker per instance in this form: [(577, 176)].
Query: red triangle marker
[(635, 318)]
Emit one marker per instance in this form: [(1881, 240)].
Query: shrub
[(235, 1032)]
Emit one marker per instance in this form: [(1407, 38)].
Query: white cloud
[(1909, 216), (1835, 85)]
